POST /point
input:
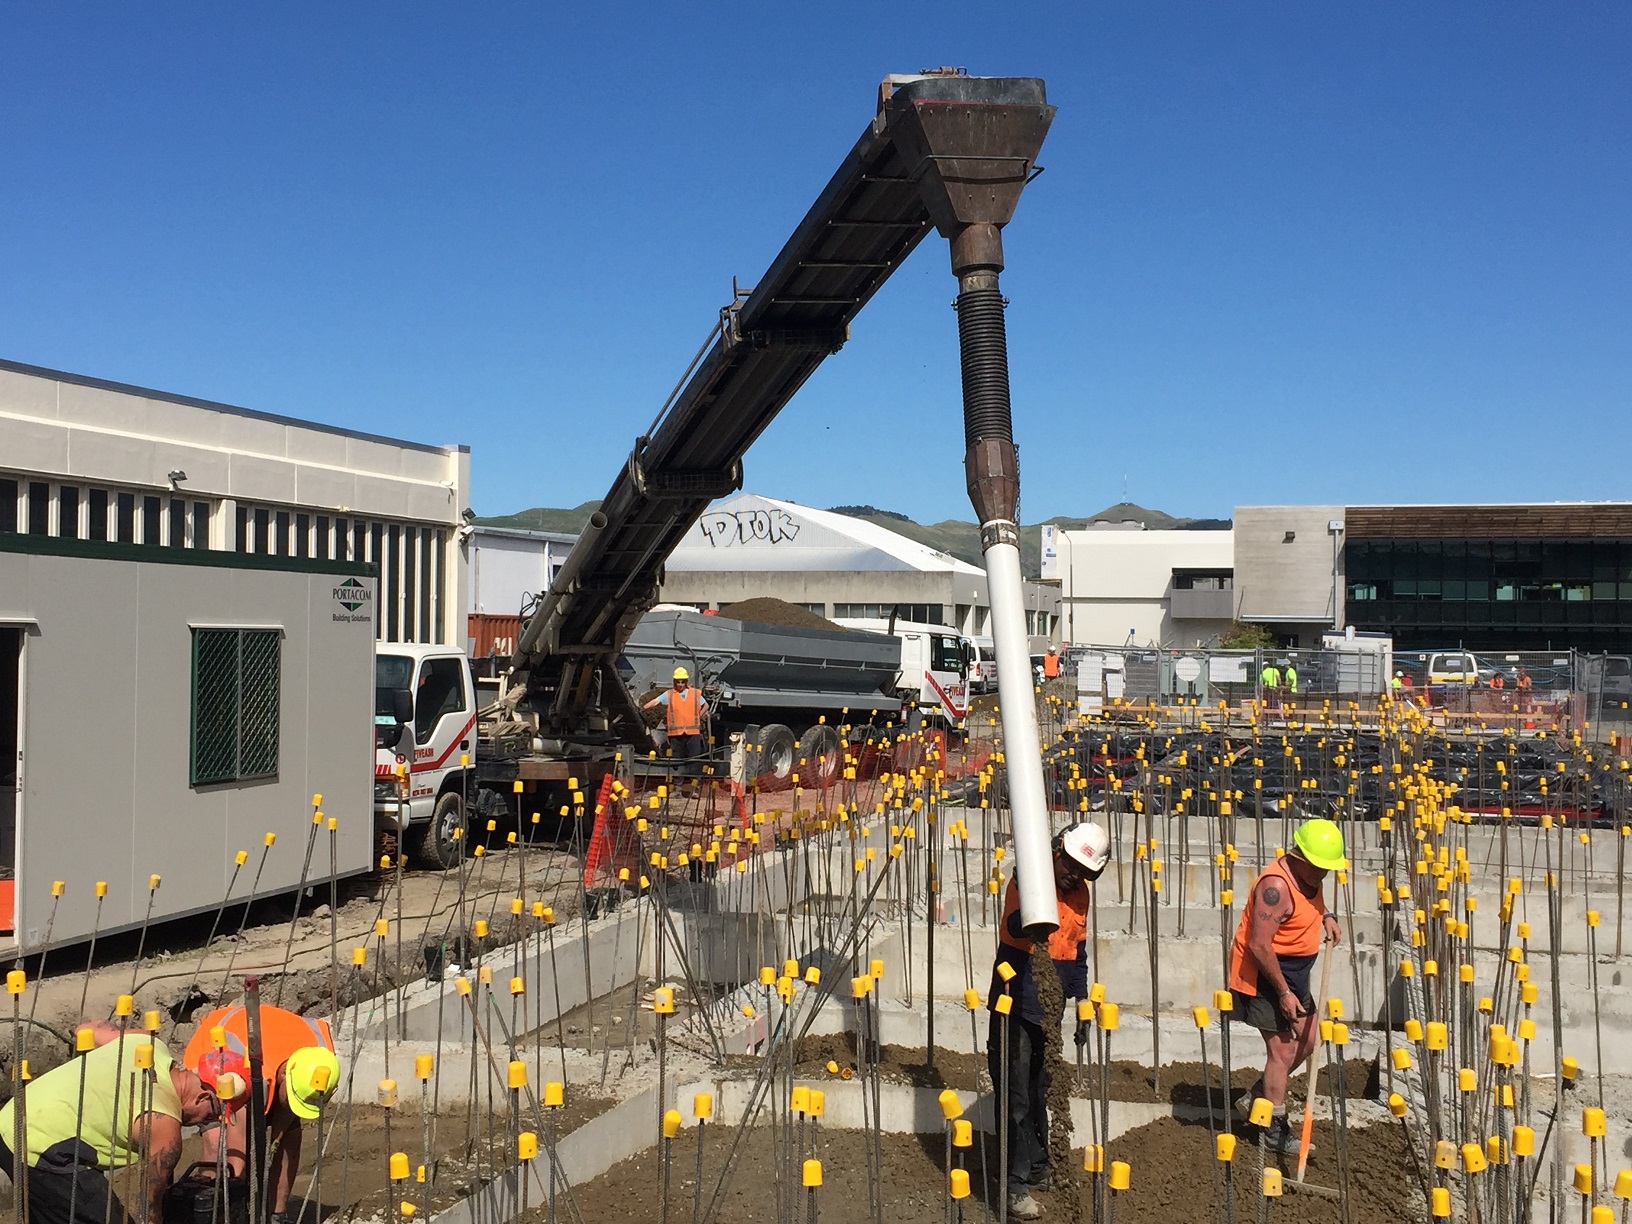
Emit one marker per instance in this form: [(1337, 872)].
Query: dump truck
[(787, 692)]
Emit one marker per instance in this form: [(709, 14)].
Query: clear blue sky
[(1300, 252)]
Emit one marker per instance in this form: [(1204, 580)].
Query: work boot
[(1023, 1207), (1243, 1103), (1281, 1139), (1043, 1180)]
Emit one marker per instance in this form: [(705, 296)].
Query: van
[(1453, 667), (982, 665)]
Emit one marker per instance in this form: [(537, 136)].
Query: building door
[(11, 715)]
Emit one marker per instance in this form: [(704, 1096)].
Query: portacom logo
[(357, 599)]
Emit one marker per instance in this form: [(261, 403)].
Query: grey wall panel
[(1281, 579), (107, 793)]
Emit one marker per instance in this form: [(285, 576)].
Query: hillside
[(544, 518), (961, 539), (955, 537)]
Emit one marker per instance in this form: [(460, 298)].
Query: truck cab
[(424, 747), (934, 666)]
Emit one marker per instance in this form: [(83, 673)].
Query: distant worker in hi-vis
[(683, 709), (1276, 945)]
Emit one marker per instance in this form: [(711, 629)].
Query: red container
[(492, 635)]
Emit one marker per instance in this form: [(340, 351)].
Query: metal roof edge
[(190, 401)]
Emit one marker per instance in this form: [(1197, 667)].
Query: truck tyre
[(774, 768), (819, 756), (434, 845)]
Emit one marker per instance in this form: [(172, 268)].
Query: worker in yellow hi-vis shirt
[(124, 1121)]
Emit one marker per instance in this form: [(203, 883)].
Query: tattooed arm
[(1271, 906), (160, 1136)]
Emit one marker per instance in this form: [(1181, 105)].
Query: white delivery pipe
[(1022, 750)]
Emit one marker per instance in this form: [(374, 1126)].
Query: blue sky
[(1281, 253)]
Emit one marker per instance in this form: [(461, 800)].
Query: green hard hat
[(1321, 844)]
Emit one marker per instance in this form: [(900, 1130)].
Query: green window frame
[(236, 704)]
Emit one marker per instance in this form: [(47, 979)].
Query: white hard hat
[(1086, 843)]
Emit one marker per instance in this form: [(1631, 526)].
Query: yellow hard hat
[(681, 673), (310, 1076)]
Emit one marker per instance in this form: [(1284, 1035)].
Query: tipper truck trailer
[(792, 689)]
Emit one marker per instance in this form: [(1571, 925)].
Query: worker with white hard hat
[(683, 708), (1081, 852)]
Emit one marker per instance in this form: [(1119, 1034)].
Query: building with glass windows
[(1536, 577), (1553, 576)]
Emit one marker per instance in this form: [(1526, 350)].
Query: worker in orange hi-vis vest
[(1275, 949), (1051, 664), (1081, 852), (300, 1073), (683, 708)]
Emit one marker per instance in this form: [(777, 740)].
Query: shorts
[(1263, 1014)]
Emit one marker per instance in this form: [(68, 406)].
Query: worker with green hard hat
[(1276, 944)]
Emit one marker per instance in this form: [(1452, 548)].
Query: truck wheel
[(819, 755), (775, 764), (434, 845)]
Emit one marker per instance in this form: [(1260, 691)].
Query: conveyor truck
[(944, 151)]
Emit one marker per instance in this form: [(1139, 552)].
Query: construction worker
[(1276, 945), (125, 1119), (1269, 679), (299, 1072), (1497, 681), (1289, 678), (683, 708), (1081, 852), (1051, 664), (1523, 684)]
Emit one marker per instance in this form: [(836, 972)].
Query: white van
[(982, 665), (1456, 667)]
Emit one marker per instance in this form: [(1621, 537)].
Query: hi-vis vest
[(1297, 937), (683, 709)]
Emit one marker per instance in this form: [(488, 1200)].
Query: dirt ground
[(1183, 1083), (1172, 1178), (356, 1163), (1178, 1083), (897, 1064)]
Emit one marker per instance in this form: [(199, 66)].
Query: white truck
[(424, 748), (934, 666)]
